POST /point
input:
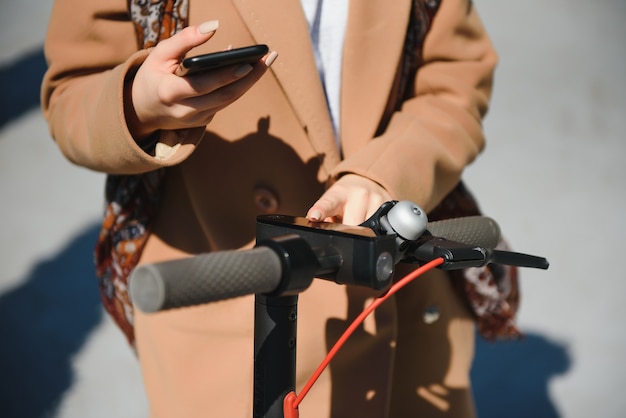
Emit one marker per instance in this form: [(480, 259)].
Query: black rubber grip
[(479, 231), (205, 278)]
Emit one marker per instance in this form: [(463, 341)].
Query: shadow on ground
[(511, 378), (20, 83), (43, 324)]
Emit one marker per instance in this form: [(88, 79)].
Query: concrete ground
[(550, 176)]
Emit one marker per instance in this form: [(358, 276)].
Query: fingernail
[(209, 26), (271, 58), (242, 70), (315, 215)]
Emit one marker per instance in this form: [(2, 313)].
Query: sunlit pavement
[(551, 176)]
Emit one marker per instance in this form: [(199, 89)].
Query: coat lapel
[(372, 52), (282, 25)]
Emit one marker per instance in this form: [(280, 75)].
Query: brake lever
[(459, 256)]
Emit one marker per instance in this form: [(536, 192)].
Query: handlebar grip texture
[(479, 231), (205, 278)]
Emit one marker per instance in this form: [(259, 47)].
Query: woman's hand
[(159, 99), (351, 200)]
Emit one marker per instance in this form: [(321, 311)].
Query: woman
[(396, 116)]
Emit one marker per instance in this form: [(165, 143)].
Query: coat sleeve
[(438, 131), (92, 53)]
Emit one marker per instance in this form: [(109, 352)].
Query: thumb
[(179, 44)]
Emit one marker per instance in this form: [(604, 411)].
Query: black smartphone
[(212, 61)]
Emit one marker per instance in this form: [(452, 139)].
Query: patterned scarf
[(132, 201)]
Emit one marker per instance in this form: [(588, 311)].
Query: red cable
[(359, 320)]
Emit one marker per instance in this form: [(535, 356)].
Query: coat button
[(431, 314), (265, 200)]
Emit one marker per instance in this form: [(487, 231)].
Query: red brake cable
[(292, 402)]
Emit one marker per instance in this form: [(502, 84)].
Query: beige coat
[(274, 151)]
